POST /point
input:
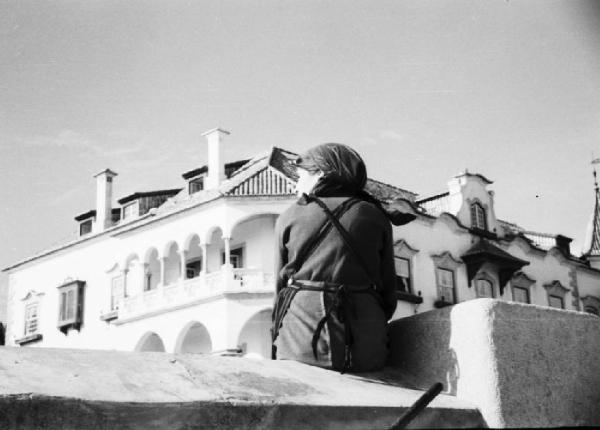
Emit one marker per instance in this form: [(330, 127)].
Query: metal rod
[(418, 406)]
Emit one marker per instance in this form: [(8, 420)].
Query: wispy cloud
[(68, 139), (383, 136)]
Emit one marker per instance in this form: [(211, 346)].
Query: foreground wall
[(521, 365)]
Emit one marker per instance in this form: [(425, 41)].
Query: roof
[(92, 213), (435, 205), (139, 194), (230, 168)]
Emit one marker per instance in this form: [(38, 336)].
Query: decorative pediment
[(31, 294), (522, 280), (555, 288), (403, 249), (445, 260)]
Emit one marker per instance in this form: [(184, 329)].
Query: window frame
[(70, 315), (193, 183), (478, 216), (446, 262), (522, 281), (591, 305), (477, 280), (556, 290), (232, 253), (134, 213)]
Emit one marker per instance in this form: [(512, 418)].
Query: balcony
[(186, 292)]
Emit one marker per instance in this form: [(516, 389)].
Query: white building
[(191, 270)]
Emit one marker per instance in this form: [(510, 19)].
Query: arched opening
[(195, 339), (152, 270), (215, 246), (250, 238), (172, 264), (132, 276), (150, 342), (255, 336), (193, 260)]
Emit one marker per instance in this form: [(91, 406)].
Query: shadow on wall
[(2, 333), (413, 338)]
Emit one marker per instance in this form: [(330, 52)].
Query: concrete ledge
[(522, 365), (75, 389)]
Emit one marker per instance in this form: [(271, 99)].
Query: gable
[(265, 182)]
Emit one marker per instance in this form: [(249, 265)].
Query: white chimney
[(104, 181), (216, 170)]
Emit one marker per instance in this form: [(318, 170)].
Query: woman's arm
[(281, 255)]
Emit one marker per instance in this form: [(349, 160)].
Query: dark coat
[(332, 261)]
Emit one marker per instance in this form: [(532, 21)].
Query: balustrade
[(203, 286)]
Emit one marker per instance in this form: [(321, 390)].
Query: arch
[(194, 338), (255, 336), (129, 260), (228, 231), (172, 263), (209, 234), (150, 342), (191, 239), (193, 253)]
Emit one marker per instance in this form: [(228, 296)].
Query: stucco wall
[(522, 365)]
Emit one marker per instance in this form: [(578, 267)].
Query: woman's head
[(331, 169)]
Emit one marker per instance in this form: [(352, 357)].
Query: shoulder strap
[(345, 237), (323, 230)]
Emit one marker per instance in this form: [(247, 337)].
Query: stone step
[(79, 389)]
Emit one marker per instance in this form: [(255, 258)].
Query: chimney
[(564, 244), (104, 181), (216, 171)]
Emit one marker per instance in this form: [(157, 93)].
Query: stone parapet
[(521, 365), (80, 389)]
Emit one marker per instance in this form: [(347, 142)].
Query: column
[(143, 277), (183, 257), (163, 272), (204, 267), (227, 242)]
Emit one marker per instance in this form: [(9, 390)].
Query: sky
[(422, 89)]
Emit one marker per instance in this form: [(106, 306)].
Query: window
[(130, 210), (196, 185), (445, 275), (478, 218), (445, 281), (236, 257), (556, 302), (31, 319), (403, 278), (404, 256), (520, 294), (556, 294), (70, 299), (521, 287), (484, 288), (193, 268), (591, 305), (85, 227)]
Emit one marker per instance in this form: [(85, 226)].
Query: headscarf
[(344, 174)]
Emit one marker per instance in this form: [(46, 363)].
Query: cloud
[(68, 139), (391, 135)]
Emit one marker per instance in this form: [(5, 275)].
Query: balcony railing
[(226, 280)]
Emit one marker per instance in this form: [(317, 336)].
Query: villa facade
[(191, 269)]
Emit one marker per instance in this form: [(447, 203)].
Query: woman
[(334, 266)]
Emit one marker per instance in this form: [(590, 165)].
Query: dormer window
[(130, 210), (196, 184), (478, 216), (85, 227)]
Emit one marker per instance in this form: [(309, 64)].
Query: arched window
[(478, 218), (484, 288), (591, 305)]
